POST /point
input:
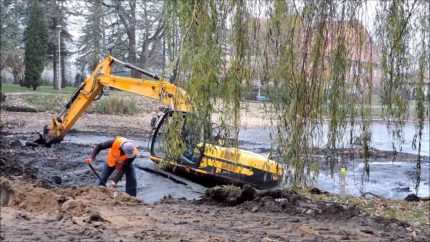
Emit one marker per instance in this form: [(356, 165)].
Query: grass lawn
[(118, 102), (7, 87)]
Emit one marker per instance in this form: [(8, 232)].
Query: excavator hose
[(74, 95)]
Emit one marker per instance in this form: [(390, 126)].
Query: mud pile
[(299, 208), (74, 201), (32, 213), (24, 186), (286, 201)]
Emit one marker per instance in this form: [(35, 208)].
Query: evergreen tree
[(36, 45)]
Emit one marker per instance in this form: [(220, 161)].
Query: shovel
[(97, 174)]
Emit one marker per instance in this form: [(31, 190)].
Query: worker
[(121, 154)]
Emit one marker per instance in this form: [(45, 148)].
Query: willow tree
[(212, 81), (404, 37), (318, 60), (312, 79), (422, 29)]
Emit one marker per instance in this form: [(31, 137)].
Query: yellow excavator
[(211, 162)]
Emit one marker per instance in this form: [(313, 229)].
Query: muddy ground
[(104, 214), (46, 196)]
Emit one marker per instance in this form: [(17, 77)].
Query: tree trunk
[(15, 78), (128, 19), (34, 84), (63, 69), (164, 54), (132, 52), (54, 68), (131, 34)]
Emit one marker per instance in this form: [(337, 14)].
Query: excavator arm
[(171, 95)]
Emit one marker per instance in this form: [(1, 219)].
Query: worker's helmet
[(128, 148)]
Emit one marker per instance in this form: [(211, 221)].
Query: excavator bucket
[(41, 140), (47, 138)]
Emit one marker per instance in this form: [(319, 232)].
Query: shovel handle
[(97, 174)]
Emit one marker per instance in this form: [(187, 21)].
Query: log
[(20, 109)]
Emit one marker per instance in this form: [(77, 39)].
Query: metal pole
[(59, 58)]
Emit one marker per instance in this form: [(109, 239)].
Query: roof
[(358, 42), (360, 46)]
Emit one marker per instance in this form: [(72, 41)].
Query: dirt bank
[(48, 199), (41, 209), (36, 213)]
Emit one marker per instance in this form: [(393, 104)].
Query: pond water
[(388, 179), (381, 138)]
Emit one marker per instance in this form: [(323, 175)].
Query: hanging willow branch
[(420, 109), (320, 65)]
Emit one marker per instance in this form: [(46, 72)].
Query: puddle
[(66, 162)]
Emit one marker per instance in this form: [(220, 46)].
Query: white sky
[(366, 14)]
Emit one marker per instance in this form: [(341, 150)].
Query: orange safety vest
[(114, 157)]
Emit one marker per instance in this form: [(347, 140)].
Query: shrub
[(115, 105)]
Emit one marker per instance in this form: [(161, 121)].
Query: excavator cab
[(191, 156)]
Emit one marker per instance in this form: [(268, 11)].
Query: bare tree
[(142, 24), (58, 12), (92, 43), (15, 62), (152, 36)]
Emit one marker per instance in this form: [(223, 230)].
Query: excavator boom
[(229, 165), (159, 88)]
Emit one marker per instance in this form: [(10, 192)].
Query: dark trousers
[(130, 177)]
